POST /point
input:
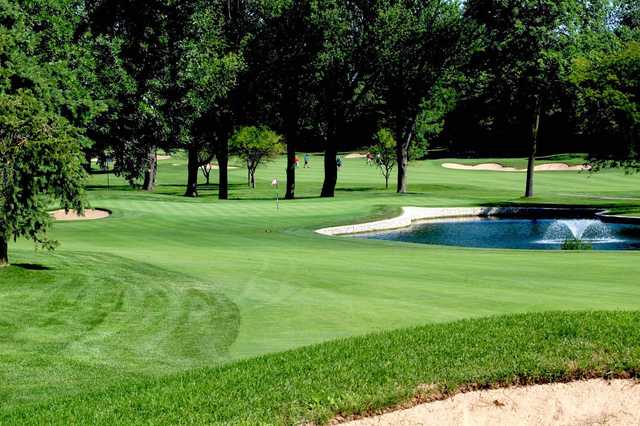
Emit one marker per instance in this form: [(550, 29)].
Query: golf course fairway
[(169, 294)]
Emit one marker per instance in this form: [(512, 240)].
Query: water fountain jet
[(578, 229)]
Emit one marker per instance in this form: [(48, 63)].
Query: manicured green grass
[(366, 374), (169, 284)]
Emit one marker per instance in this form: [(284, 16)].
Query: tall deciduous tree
[(133, 73), (606, 78), (419, 45), (525, 57), (608, 99), (44, 104), (242, 20), (343, 70), (203, 70), (280, 66)]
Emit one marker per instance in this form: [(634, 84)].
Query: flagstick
[(274, 183)]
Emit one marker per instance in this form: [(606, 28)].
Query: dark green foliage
[(572, 244), (255, 146), (44, 107), (384, 153), (608, 103), (431, 119), (419, 46), (132, 49), (526, 54)]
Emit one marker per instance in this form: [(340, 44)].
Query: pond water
[(517, 233)]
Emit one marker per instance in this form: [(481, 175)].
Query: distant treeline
[(475, 77)]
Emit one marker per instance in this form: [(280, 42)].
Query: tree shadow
[(110, 187), (32, 266), (272, 198), (360, 189)]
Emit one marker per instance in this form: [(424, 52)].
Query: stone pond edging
[(413, 214), (605, 216)]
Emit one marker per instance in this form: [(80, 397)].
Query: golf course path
[(591, 402)]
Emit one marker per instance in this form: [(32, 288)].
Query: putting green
[(166, 284)]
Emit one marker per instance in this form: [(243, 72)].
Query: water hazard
[(518, 233)]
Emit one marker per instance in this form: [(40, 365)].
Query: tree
[(525, 57), (133, 51), (280, 76), (241, 20), (608, 104), (206, 167), (606, 86), (202, 70), (420, 43), (431, 118), (255, 145), (43, 107), (342, 39), (384, 152)]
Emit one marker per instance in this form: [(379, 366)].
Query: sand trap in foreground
[(592, 402), (551, 167), (89, 214)]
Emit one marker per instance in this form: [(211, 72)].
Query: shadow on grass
[(272, 198), (32, 266), (110, 187), (360, 189)]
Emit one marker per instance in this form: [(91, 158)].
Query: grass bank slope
[(367, 374), (90, 320)]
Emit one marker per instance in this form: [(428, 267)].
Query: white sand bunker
[(163, 157), (592, 402), (216, 167), (89, 214), (550, 167), (355, 155)]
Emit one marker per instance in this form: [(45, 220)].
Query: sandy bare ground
[(163, 157), (550, 167), (592, 402), (355, 155), (89, 214), (216, 167)]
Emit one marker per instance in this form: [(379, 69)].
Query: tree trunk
[(534, 148), (253, 179), (223, 172), (4, 251), (87, 162), (386, 181), (248, 174), (192, 173), (402, 152), (330, 160), (291, 169), (330, 170), (151, 171)]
